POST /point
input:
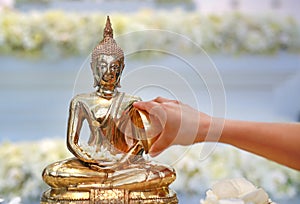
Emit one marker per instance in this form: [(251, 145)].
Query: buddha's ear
[(95, 75), (122, 68), (120, 75), (119, 79), (122, 63)]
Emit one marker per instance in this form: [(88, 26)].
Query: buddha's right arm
[(76, 117)]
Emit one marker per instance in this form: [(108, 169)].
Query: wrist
[(203, 127), (210, 129)]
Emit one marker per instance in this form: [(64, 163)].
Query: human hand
[(174, 123)]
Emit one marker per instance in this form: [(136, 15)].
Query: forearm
[(185, 125), (279, 142), (76, 117)]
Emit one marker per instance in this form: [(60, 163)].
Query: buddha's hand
[(101, 168), (84, 156), (180, 122), (88, 159)]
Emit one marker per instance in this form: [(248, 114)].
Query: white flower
[(235, 191), (20, 174), (69, 32), (100, 154), (256, 41), (16, 200)]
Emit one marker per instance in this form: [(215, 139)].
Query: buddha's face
[(107, 71)]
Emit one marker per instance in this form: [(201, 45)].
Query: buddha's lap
[(72, 172)]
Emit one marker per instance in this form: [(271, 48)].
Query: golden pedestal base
[(109, 196)]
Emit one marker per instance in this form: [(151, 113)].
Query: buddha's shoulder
[(129, 97), (85, 97)]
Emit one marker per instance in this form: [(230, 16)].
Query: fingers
[(145, 105), (165, 100), (161, 100), (153, 108), (160, 110), (149, 105)]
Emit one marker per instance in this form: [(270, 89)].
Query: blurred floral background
[(44, 54)]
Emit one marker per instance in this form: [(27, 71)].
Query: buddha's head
[(107, 62)]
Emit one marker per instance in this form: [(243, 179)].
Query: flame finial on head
[(108, 31), (108, 45)]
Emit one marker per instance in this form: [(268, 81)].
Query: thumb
[(158, 146)]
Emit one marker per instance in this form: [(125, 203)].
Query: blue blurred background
[(35, 91), (39, 75)]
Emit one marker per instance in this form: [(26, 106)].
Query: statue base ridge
[(114, 195)]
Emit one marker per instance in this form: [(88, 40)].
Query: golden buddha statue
[(110, 167)]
